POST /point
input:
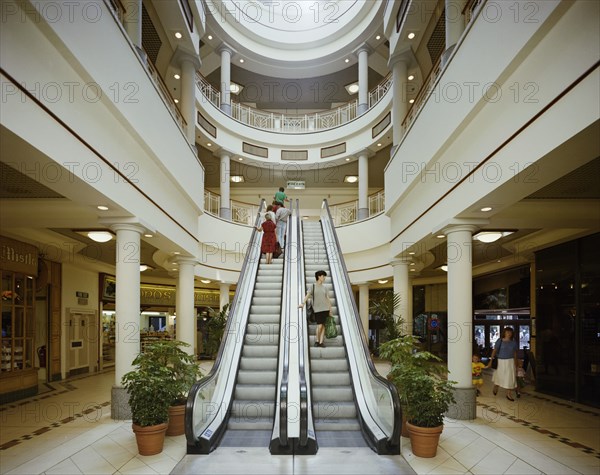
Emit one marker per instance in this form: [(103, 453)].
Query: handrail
[(392, 443), (288, 123), (347, 211), (195, 444)]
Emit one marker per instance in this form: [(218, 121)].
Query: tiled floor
[(68, 430)]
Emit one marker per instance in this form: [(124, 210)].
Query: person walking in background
[(281, 218), (477, 368), (281, 196), (269, 240), (505, 350), (321, 305)]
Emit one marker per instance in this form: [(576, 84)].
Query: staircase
[(253, 408), (334, 410)]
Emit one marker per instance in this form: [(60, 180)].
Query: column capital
[(406, 56), (129, 223), (224, 153), (363, 284), (180, 56), (460, 224), (400, 261), (225, 47), (365, 151), (363, 47), (183, 260)]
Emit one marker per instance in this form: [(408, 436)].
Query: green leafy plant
[(216, 327), (420, 377), (183, 371), (385, 307), (149, 395)]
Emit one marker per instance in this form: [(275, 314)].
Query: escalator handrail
[(285, 316), (395, 436), (202, 383), (305, 407)]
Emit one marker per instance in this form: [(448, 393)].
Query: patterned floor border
[(549, 433)]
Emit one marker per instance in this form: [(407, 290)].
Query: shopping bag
[(330, 327)]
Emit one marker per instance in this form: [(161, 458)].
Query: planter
[(176, 420), (424, 440), (404, 428), (150, 439)]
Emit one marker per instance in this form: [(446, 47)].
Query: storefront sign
[(158, 295), (18, 256)]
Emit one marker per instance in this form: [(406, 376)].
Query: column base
[(226, 108), (119, 404), (465, 407), (225, 213), (363, 213)]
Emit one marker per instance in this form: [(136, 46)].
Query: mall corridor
[(67, 429)]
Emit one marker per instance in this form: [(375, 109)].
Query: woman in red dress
[(269, 240)]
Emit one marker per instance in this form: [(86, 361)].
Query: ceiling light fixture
[(241, 60), (490, 236), (346, 60), (352, 88), (235, 88), (102, 207), (350, 178), (240, 159), (176, 76), (210, 37), (176, 101), (176, 253), (440, 236), (485, 209), (178, 35), (379, 144), (444, 267), (383, 281), (100, 236), (148, 235), (209, 144), (411, 36), (411, 77), (205, 281), (378, 37), (145, 267), (411, 253), (347, 159), (236, 178)]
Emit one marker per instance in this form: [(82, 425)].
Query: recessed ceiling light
[(241, 60), (490, 236), (350, 178), (412, 270), (383, 281), (486, 209), (102, 207), (240, 159), (235, 88), (236, 178), (176, 101), (379, 144), (411, 253), (144, 267), (178, 35), (346, 60), (411, 36), (412, 264), (352, 88), (176, 76), (444, 268), (347, 159), (209, 144), (411, 77), (100, 236), (210, 37), (304, 217), (176, 253), (411, 101), (174, 268), (378, 37), (148, 235), (205, 281), (440, 236)]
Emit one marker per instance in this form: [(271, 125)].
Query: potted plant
[(424, 391), (216, 326), (182, 373), (149, 399)]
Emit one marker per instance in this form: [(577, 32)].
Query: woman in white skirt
[(505, 350)]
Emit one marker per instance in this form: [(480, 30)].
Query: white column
[(363, 307), (127, 312), (399, 104), (188, 98), (226, 53), (401, 287), (133, 22), (460, 318), (184, 305), (225, 211), (363, 184), (223, 295), (455, 26), (363, 79)]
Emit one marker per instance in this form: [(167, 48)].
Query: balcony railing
[(241, 213), (290, 124), (347, 213)]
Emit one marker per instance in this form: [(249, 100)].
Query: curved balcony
[(289, 123)]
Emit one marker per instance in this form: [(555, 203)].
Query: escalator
[(235, 404), (352, 404)]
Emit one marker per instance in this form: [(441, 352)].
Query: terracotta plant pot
[(424, 440), (150, 439), (176, 420), (404, 428)]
